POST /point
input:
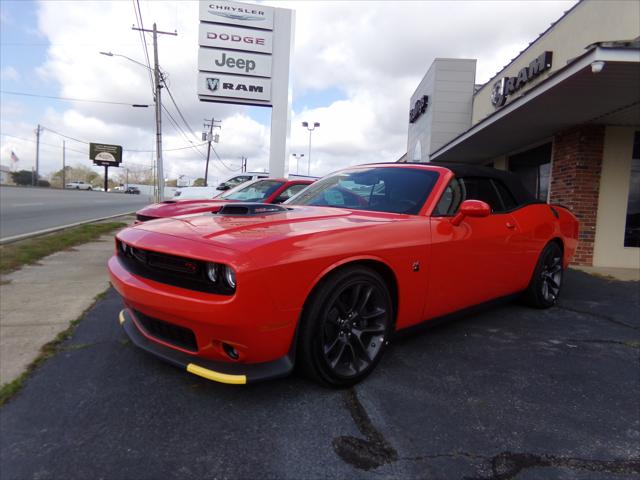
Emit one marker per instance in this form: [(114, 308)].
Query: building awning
[(572, 96)]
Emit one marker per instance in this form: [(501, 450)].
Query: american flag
[(14, 157)]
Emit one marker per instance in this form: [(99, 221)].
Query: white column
[(283, 24)]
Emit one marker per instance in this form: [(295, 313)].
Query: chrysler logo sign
[(418, 108), (509, 85), (236, 13)]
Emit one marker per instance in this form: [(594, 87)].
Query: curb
[(23, 236)]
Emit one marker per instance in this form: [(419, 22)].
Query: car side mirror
[(471, 208)]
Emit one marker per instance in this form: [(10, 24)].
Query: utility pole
[(64, 168), (158, 102), (244, 164), (210, 125), (34, 179)]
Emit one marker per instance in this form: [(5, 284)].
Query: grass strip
[(8, 390), (15, 255)]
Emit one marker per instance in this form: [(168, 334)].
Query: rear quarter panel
[(538, 225)]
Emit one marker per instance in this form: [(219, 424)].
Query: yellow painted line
[(121, 317), (216, 376)]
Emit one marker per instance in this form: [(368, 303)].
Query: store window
[(632, 227), (534, 169)]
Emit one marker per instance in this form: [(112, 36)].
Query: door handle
[(510, 225)]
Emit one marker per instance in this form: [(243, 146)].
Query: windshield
[(255, 192), (381, 189)]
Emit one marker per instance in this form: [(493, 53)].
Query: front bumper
[(223, 372)]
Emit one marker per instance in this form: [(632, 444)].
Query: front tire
[(345, 327), (546, 283)]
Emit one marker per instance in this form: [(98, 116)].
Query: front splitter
[(222, 372)]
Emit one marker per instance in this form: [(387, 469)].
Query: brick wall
[(575, 181)]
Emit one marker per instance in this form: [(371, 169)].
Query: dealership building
[(564, 115)]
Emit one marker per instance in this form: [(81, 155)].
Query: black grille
[(170, 269), (144, 218), (168, 332)]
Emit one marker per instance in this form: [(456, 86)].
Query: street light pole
[(298, 156), (311, 129)]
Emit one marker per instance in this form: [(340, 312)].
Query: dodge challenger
[(268, 190), (324, 280)]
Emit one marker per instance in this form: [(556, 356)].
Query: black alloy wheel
[(544, 288), (347, 327)]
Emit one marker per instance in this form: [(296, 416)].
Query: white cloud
[(373, 52), (9, 74)]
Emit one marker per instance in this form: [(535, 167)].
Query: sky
[(355, 66)]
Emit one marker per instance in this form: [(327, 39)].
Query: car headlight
[(230, 276), (212, 272)]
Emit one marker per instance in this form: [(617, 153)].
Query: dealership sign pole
[(245, 58)]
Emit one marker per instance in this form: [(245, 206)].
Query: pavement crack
[(629, 344), (507, 465), (597, 315), (365, 454)]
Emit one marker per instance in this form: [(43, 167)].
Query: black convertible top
[(509, 179)]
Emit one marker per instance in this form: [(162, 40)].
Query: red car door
[(477, 260)]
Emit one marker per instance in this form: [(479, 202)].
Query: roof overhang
[(573, 95)]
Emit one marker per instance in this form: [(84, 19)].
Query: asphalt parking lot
[(506, 393)]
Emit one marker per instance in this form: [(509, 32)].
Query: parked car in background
[(266, 190), (193, 193), (239, 179), (79, 185), (325, 280), (132, 190)]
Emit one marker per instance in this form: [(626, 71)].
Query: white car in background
[(79, 186), (195, 193), (240, 179)]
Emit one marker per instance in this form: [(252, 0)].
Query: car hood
[(173, 208), (245, 233)]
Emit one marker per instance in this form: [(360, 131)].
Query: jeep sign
[(228, 61)]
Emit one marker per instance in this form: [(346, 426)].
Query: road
[(507, 393), (26, 210)]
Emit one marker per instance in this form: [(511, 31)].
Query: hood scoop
[(249, 209)]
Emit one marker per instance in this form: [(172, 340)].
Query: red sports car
[(324, 280), (268, 190)]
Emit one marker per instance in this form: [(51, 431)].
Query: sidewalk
[(39, 301)]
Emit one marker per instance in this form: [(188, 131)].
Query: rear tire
[(546, 283), (345, 327)]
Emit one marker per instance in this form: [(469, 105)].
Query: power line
[(138, 15), (180, 130), (178, 108), (69, 99), (82, 141)]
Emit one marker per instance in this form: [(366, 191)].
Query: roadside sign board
[(235, 38), (234, 62), (105, 155)]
